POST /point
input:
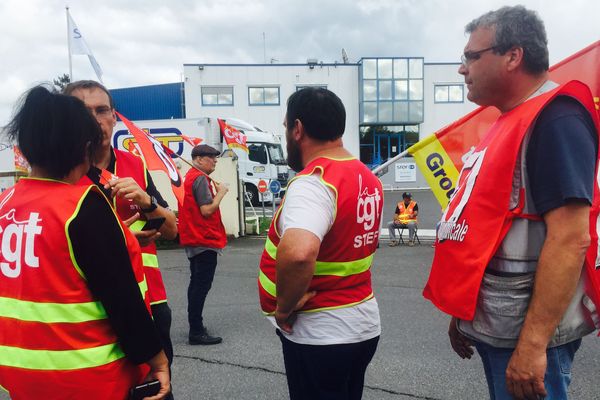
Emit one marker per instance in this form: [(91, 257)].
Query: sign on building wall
[(406, 172)]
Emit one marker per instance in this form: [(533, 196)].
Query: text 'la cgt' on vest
[(55, 338), (342, 276)]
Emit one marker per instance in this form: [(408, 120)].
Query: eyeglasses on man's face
[(469, 56), (101, 111)]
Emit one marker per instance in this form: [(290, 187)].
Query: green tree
[(61, 81)]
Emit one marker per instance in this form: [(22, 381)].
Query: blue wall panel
[(163, 101)]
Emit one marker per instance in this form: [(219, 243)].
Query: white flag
[(78, 45)]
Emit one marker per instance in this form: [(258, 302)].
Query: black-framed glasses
[(470, 56)]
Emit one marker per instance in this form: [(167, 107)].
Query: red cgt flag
[(21, 163), (132, 149), (233, 137), (157, 159), (194, 141), (440, 157)]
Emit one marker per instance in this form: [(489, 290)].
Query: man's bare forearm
[(296, 258), (558, 272)]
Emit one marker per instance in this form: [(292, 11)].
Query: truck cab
[(265, 160)]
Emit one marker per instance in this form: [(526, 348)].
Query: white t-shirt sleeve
[(308, 205)]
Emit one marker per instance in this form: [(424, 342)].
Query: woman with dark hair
[(72, 291)]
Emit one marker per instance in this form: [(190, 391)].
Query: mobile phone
[(154, 223), (144, 390)]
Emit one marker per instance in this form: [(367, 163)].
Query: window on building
[(217, 95), (391, 91), (263, 96), (453, 93)]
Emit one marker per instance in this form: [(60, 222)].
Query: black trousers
[(161, 313), (329, 372), (202, 269)]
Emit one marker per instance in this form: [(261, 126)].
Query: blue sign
[(275, 187)]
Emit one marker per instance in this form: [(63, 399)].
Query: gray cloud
[(143, 42)]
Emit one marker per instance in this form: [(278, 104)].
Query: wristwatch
[(153, 205)]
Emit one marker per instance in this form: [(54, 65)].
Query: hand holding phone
[(154, 223), (144, 390)]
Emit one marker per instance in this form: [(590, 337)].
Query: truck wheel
[(252, 194)]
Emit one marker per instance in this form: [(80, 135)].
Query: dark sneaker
[(204, 339)]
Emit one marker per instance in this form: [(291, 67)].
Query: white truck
[(264, 161)]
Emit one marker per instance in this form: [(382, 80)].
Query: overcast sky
[(139, 42)]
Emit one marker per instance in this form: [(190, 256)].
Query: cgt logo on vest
[(368, 214), (12, 237)]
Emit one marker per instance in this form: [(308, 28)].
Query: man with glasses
[(133, 193), (203, 235), (513, 276)]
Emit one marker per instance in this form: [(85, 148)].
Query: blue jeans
[(202, 268), (558, 372)]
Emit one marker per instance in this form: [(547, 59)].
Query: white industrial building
[(391, 102)]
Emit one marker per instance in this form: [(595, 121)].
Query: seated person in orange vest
[(405, 216)]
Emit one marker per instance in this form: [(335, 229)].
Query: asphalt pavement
[(413, 360)]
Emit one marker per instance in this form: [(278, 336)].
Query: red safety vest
[(342, 276), (196, 230), (405, 212), (55, 338), (477, 218), (128, 165)]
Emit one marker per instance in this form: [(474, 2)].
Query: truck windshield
[(276, 154)]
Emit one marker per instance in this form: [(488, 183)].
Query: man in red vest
[(515, 259), (203, 235), (133, 193), (315, 277)]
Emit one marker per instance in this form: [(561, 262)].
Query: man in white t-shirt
[(315, 279)]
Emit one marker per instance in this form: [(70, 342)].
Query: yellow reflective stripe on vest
[(137, 225), (271, 248), (343, 268), (143, 287), (369, 297), (267, 284), (51, 312), (336, 268), (59, 360), (150, 260)]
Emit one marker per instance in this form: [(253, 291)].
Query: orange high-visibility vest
[(128, 165), (477, 218), (195, 229), (55, 337), (405, 212), (342, 276)]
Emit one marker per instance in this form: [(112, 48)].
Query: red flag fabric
[(440, 157), (132, 148), (157, 159), (194, 141), (21, 164), (233, 137), (106, 176)]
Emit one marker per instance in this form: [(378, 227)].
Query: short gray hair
[(517, 27)]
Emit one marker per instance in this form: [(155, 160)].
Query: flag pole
[(181, 158), (69, 46), (380, 168)]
